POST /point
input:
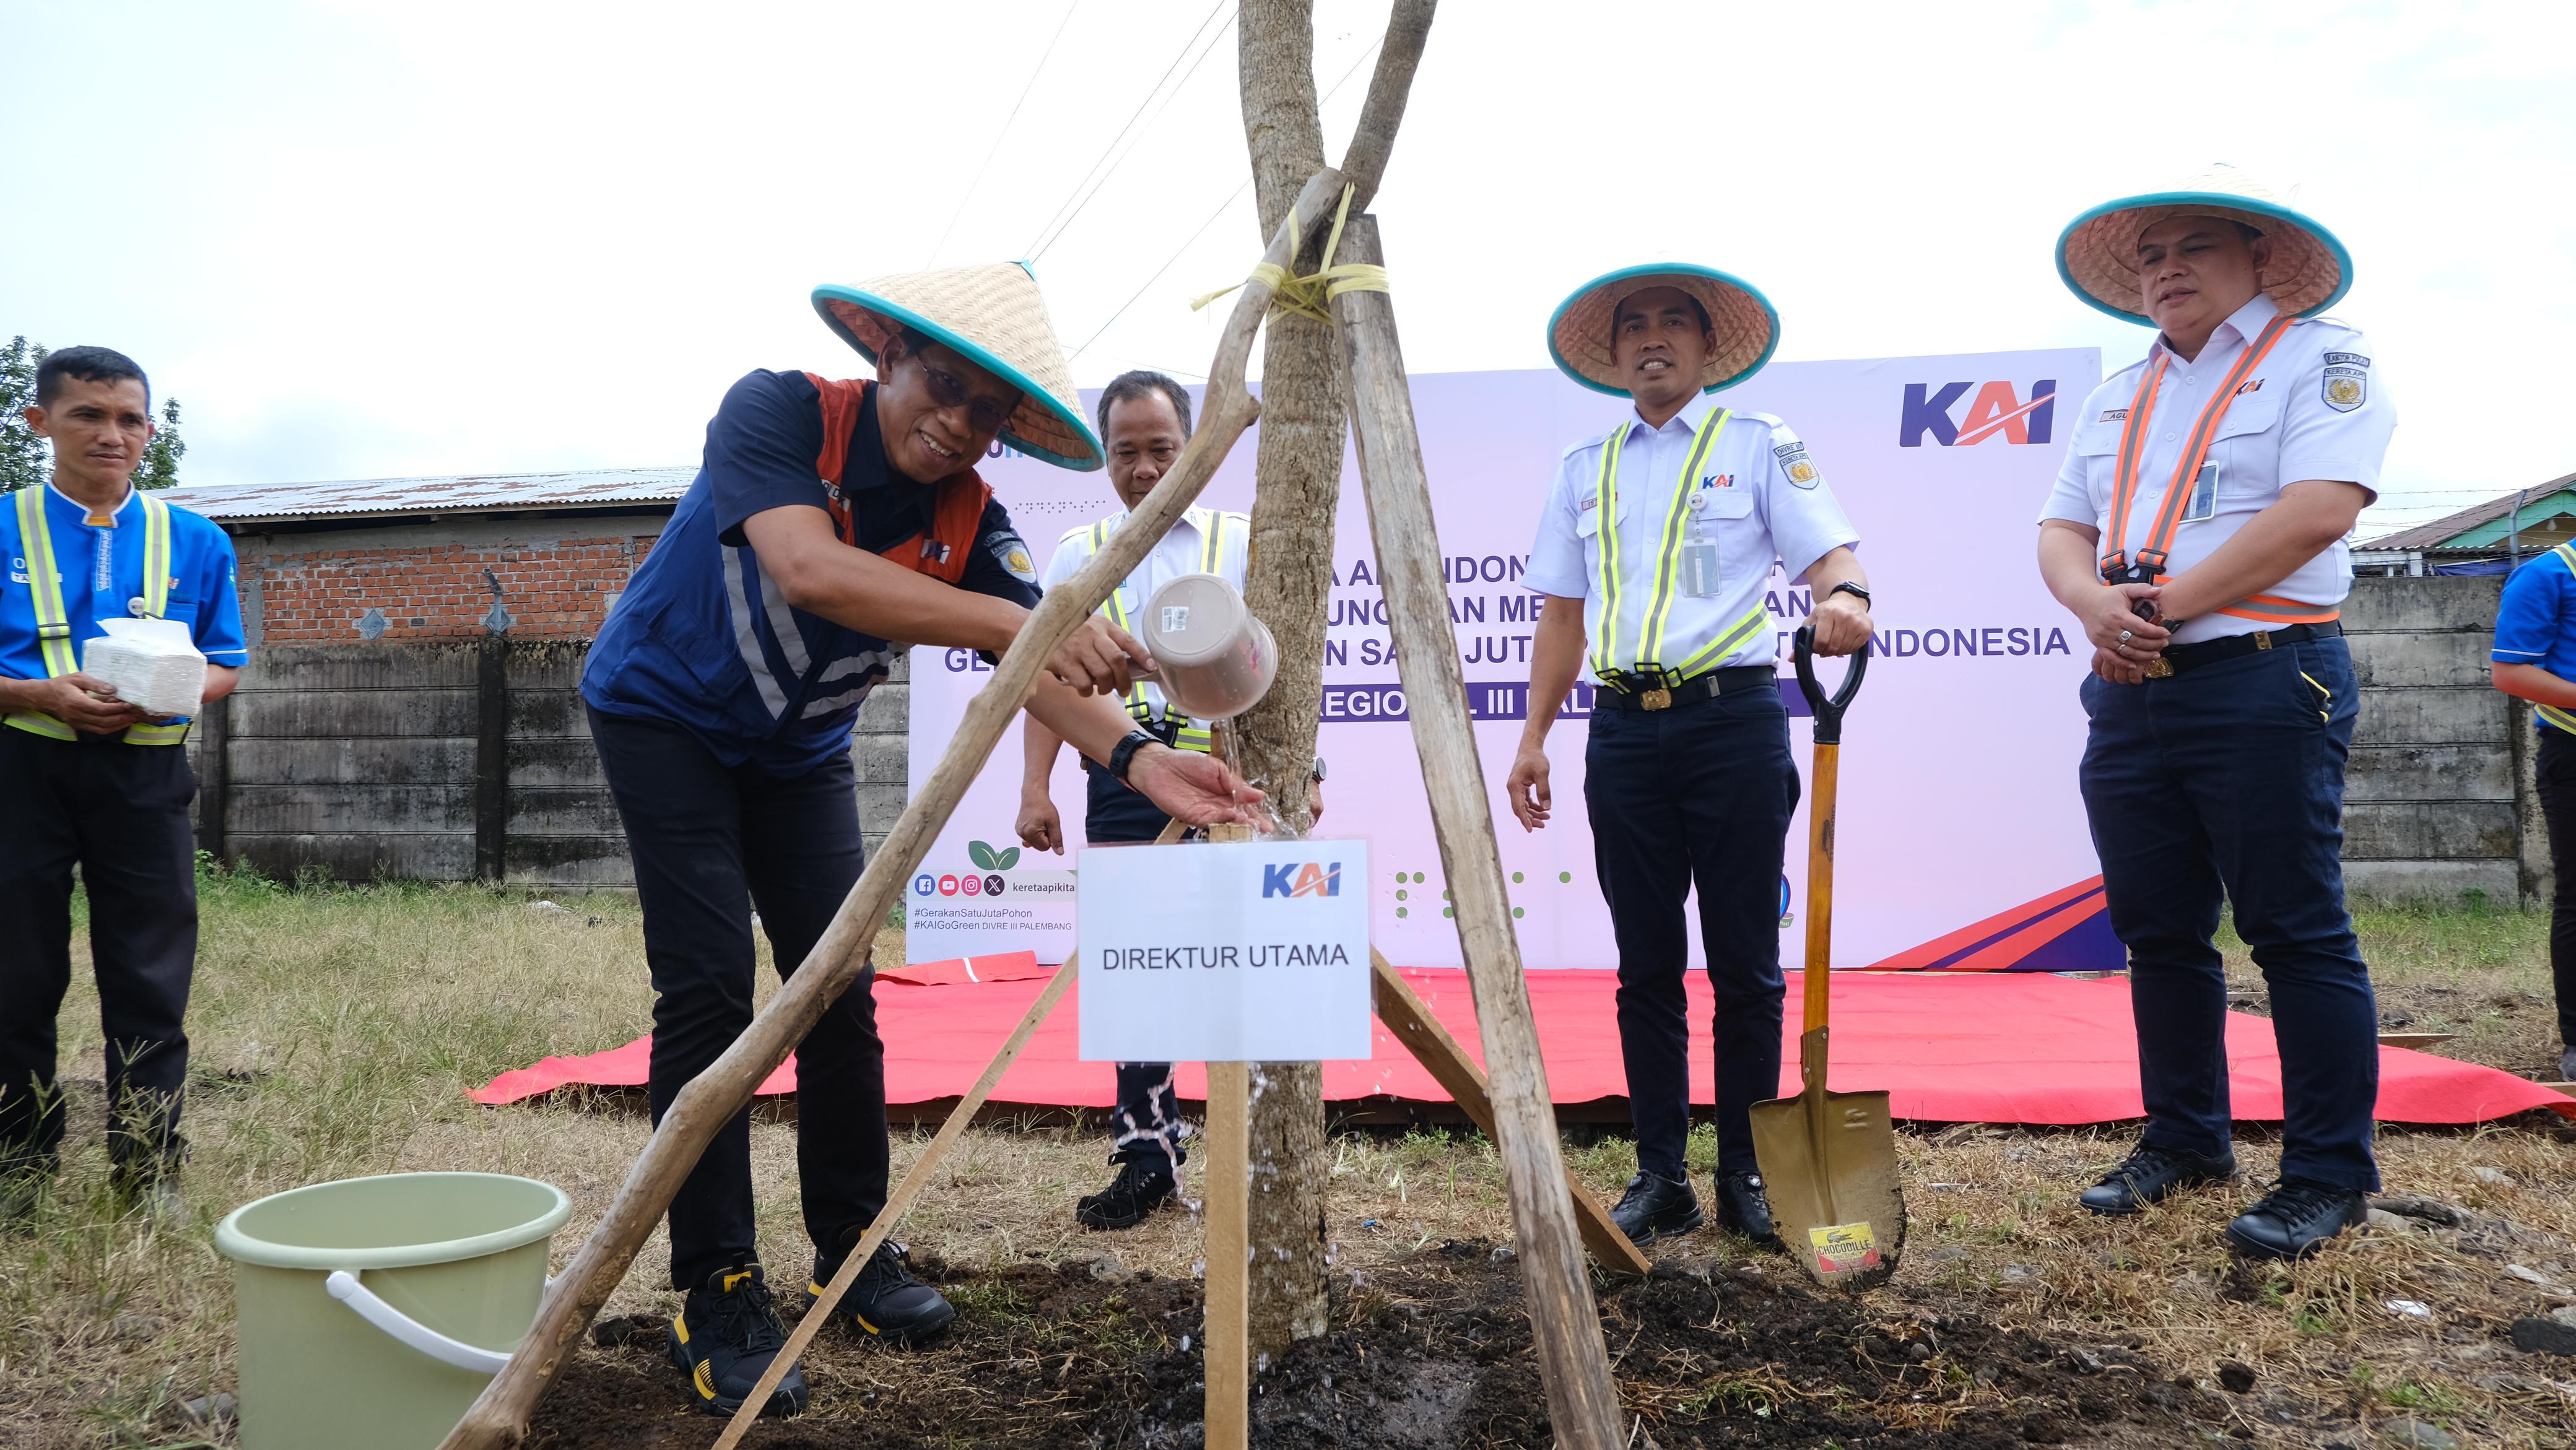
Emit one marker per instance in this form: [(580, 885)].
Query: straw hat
[(992, 315), (1748, 329), (2097, 254)]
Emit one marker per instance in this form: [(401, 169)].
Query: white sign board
[(1252, 952)]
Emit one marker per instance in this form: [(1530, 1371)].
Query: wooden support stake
[(499, 1417), (1409, 1018), (899, 1202), (1583, 1402), (1229, 1255), (2414, 1041)]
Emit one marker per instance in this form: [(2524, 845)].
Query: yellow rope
[(1312, 294)]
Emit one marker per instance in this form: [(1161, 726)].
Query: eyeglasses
[(948, 391)]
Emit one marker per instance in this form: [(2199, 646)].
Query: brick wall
[(553, 590)]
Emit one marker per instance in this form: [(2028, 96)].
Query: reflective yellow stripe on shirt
[(53, 621), (1659, 601), (1191, 734)]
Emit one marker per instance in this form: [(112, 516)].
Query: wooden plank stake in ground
[(500, 1416), (900, 1202), (1229, 1255), (1583, 1404), (1409, 1018)]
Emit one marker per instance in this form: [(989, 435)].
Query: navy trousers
[(119, 812), (710, 843), (1697, 795), (2225, 783), (1147, 1121)]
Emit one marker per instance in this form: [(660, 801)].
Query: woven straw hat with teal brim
[(2097, 254), (1747, 327), (992, 316)]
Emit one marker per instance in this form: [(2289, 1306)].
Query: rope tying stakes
[(1312, 294)]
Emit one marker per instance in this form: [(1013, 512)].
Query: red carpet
[(1992, 1047)]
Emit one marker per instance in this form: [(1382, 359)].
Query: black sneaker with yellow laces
[(724, 1338), (887, 1302)]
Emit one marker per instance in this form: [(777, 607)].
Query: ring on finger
[(2126, 636)]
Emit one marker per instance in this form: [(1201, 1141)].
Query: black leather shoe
[(2294, 1218), (1144, 1184), (724, 1337), (887, 1302), (1656, 1208), (1742, 1207), (2148, 1174)]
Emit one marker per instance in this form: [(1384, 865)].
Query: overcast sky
[(368, 240)]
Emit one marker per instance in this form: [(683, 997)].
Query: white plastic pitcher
[(1213, 659), (372, 1311)]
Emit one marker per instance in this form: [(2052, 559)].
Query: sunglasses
[(949, 391)]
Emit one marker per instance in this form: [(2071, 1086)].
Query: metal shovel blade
[(1829, 1161)]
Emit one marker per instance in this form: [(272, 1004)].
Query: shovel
[(1829, 1158)]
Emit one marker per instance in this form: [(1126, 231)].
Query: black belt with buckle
[(2183, 658), (1641, 692)]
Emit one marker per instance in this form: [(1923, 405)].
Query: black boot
[(1742, 1207), (2149, 1174), (1144, 1184), (2295, 1218), (887, 1302), (724, 1337), (1656, 1208)]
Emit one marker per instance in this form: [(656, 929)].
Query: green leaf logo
[(982, 856), (1007, 859)]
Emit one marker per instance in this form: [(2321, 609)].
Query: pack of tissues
[(151, 663)]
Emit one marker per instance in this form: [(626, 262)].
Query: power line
[(1177, 58), (1139, 140), (996, 149), (1212, 216)]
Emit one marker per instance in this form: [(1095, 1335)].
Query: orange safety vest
[(956, 513), (2153, 553)]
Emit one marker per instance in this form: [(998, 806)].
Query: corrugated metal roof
[(469, 493), (2443, 530)]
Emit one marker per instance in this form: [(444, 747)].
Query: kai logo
[(1995, 410), (1290, 878)]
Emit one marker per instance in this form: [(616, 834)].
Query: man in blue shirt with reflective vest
[(91, 782), (833, 524), (1655, 552), (2535, 660)]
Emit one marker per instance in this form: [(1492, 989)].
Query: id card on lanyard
[(1699, 551)]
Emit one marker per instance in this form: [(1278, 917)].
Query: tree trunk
[(1298, 474)]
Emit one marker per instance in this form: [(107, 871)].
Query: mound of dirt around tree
[(1433, 1353)]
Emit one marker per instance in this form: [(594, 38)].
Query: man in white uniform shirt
[(1655, 553), (2198, 531), (1144, 422)]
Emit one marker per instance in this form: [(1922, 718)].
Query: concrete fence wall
[(2439, 800), (462, 759), (443, 761)]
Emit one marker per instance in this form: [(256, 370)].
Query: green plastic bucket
[(373, 1310)]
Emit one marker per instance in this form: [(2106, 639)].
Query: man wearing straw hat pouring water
[(1655, 553), (830, 521), (2198, 532)]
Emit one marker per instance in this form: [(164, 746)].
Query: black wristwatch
[(1848, 587), (1122, 756)]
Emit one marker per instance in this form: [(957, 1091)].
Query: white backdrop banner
[(1962, 842)]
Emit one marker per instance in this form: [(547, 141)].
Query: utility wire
[(1177, 58), (996, 148), (1184, 247), (1138, 140)]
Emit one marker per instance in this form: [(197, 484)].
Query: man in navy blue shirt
[(91, 781), (2535, 659), (833, 524)]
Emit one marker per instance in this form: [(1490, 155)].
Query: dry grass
[(337, 1030)]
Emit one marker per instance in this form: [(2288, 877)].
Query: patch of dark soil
[(1433, 1352)]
